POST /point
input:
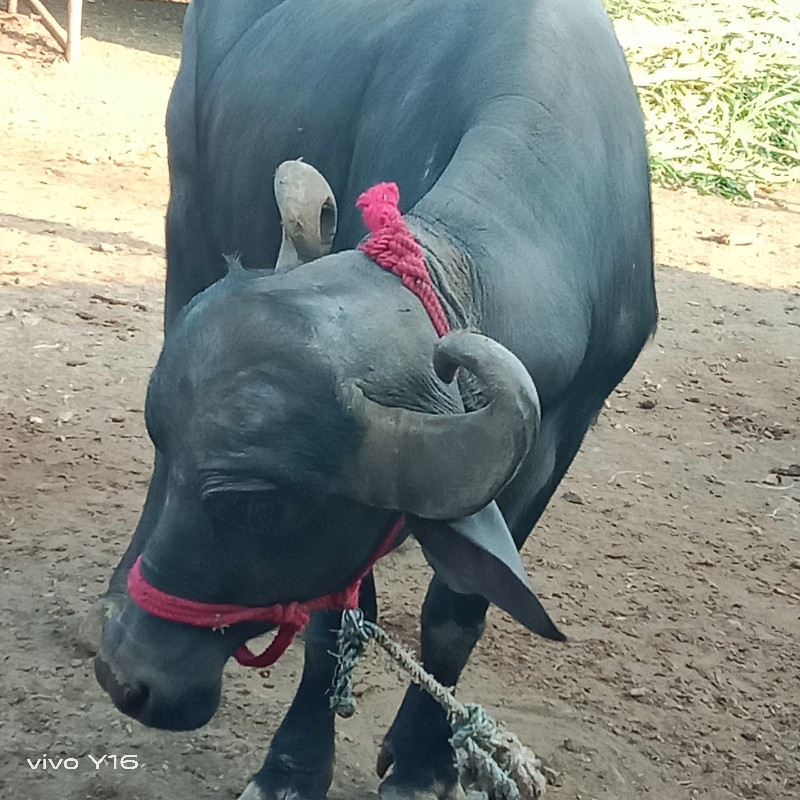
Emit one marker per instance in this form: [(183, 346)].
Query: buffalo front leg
[(417, 745), (299, 765), (110, 604)]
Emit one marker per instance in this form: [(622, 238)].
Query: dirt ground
[(670, 554)]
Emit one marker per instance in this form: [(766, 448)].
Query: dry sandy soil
[(670, 555)]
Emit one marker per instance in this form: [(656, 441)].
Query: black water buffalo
[(303, 398)]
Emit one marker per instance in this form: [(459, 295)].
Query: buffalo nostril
[(132, 698), (129, 698)]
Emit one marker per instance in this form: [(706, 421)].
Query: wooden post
[(69, 39), (74, 15)]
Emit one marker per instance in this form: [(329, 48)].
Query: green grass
[(719, 83)]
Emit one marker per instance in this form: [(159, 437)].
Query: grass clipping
[(719, 83)]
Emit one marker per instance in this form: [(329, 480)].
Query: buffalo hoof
[(90, 629), (253, 792), (389, 790), (281, 779), (394, 788)]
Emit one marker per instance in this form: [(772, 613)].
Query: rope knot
[(492, 762), (379, 205), (476, 725), (296, 614), (351, 641)]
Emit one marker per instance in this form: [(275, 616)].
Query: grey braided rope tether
[(490, 760)]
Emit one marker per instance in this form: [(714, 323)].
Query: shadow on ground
[(151, 26)]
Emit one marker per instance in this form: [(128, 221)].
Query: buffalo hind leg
[(417, 745), (299, 765)]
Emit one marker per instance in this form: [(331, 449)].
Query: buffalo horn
[(308, 214), (447, 466)]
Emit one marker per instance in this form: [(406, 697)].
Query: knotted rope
[(490, 759), (391, 245)]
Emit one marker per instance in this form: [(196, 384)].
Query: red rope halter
[(393, 247), (290, 618)]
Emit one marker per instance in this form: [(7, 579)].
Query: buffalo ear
[(477, 555)]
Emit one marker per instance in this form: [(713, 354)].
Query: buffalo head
[(293, 413)]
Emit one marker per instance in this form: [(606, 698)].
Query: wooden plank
[(50, 22)]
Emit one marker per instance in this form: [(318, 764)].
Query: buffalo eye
[(245, 511)]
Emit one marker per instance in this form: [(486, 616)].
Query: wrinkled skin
[(530, 198)]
